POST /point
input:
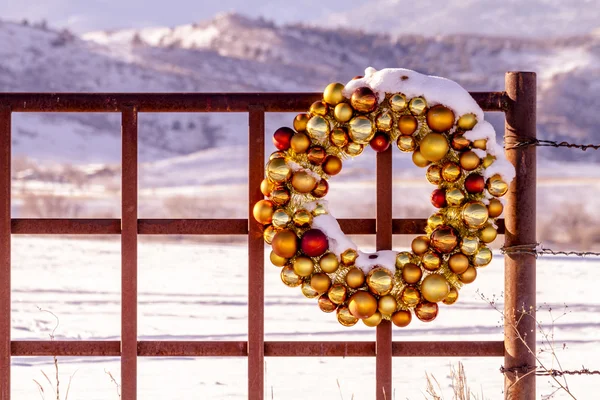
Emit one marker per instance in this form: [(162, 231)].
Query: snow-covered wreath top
[(443, 127)]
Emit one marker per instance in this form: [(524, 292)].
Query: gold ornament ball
[(412, 273), (467, 122), (426, 311), (343, 112), (458, 263), (300, 122), (303, 182), (355, 278), (321, 189), (333, 93), (410, 296), (269, 234), (303, 266), (452, 297), (308, 291), (280, 196), (289, 277), (419, 159), (434, 147), (444, 239), (420, 245), (459, 142), (361, 130), (435, 220), (318, 128), (480, 144), (326, 305), (417, 105), (300, 142), (406, 144), (329, 263), (387, 305), (354, 149), (380, 281), (281, 218), (316, 155), (319, 108), (339, 137), (362, 304), (384, 121), (398, 102), (488, 160), (302, 218), (451, 172), (434, 174), (266, 187), (345, 318), (469, 275), (495, 208), (440, 118), (348, 257), (469, 160), (407, 124), (332, 165), (263, 211), (431, 261), (402, 259), (483, 257), (278, 170), (373, 320), (285, 243), (475, 214), (402, 318), (435, 288), (277, 154), (488, 234), (337, 293), (455, 197), (469, 245), (276, 260), (496, 186), (364, 100), (320, 282)]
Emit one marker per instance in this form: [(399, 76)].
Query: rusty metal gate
[(518, 102)]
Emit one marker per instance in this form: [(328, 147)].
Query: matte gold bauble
[(278, 170), (362, 304), (483, 257), (332, 165), (266, 187), (303, 266), (452, 297), (348, 257), (455, 197), (384, 121), (387, 305), (458, 263), (364, 100), (419, 160), (468, 276), (301, 121), (303, 182), (276, 260), (495, 208), (289, 277), (402, 259), (308, 291), (434, 174), (488, 234), (469, 245), (321, 189), (431, 261), (319, 108), (285, 243), (361, 129), (398, 102), (426, 311), (402, 318), (280, 196), (339, 137), (380, 281), (467, 122), (469, 160), (434, 147), (407, 124), (343, 112), (300, 142), (475, 214), (337, 293), (263, 211), (420, 245), (333, 93), (440, 118), (373, 320), (459, 142), (277, 154), (406, 144), (488, 160), (435, 220), (496, 186), (326, 305), (345, 318), (320, 282), (355, 278), (410, 296), (329, 263), (411, 273), (316, 155), (354, 149), (417, 105), (281, 218), (444, 239), (269, 234), (435, 288), (318, 128), (451, 172), (480, 144)]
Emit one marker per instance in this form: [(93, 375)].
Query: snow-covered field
[(195, 291)]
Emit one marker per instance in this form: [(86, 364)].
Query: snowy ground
[(191, 291)]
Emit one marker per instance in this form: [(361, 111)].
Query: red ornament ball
[(474, 183), (438, 198), (380, 142), (282, 138), (314, 243)]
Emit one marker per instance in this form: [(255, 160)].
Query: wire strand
[(519, 142), (524, 369), (536, 250)]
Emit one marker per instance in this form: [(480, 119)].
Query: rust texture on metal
[(5, 222), (192, 349), (86, 348), (449, 349), (520, 268)]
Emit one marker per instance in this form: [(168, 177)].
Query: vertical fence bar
[(383, 348), (520, 273), (256, 256), (129, 207), (5, 182)]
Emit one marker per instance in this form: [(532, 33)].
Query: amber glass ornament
[(380, 142), (326, 305), (469, 275), (300, 122), (434, 147), (289, 277), (402, 318), (303, 266), (316, 155), (469, 245), (343, 112), (417, 105), (329, 263), (438, 198), (407, 124), (302, 218), (319, 108), (384, 121), (364, 100), (488, 234), (403, 258), (361, 129), (355, 278), (280, 196), (475, 214), (483, 257), (434, 174), (410, 296), (380, 281), (495, 208), (444, 239), (406, 144), (467, 122), (308, 291), (320, 282), (303, 182), (348, 257), (458, 263), (435, 288), (426, 311), (459, 142), (431, 260), (411, 273), (440, 118), (269, 234), (354, 149), (276, 260), (345, 318), (419, 160), (266, 187), (398, 102), (332, 165), (321, 189), (318, 128), (420, 245), (474, 183), (285, 243), (333, 93), (281, 218), (362, 304), (314, 243), (496, 186), (278, 170), (282, 138), (387, 305), (373, 320), (263, 211), (337, 293), (469, 160), (435, 220), (451, 172), (452, 297), (339, 137), (455, 197), (300, 142)]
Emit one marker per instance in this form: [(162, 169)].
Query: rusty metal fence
[(518, 102)]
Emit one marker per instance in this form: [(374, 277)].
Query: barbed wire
[(536, 250), (524, 369), (524, 142)]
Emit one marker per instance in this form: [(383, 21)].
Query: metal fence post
[(5, 232)]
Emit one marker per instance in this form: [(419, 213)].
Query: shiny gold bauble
[(339, 137), (348, 257), (266, 187), (496, 186), (458, 263), (303, 182), (398, 102), (321, 189), (308, 291), (326, 305), (263, 211), (285, 243), (373, 320), (406, 143), (333, 93), (320, 209), (337, 293), (451, 172), (467, 122), (469, 160), (440, 118), (411, 273), (269, 234), (426, 311), (459, 142), (407, 124), (302, 218), (435, 220), (316, 155), (318, 128), (364, 100), (384, 121), (488, 160), (361, 129), (444, 239), (303, 266), (455, 197), (355, 278), (469, 245), (435, 288), (431, 261), (319, 108), (434, 147), (300, 122), (402, 318), (410, 296), (420, 245), (434, 174), (419, 160), (468, 276), (289, 277), (280, 196), (483, 257), (380, 281), (332, 165), (300, 142), (480, 144), (475, 214), (488, 234), (402, 259), (452, 297), (362, 304), (495, 208), (278, 170), (343, 112), (354, 149), (329, 263), (276, 260), (281, 218), (345, 318), (417, 105), (387, 305), (277, 154), (320, 282)]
